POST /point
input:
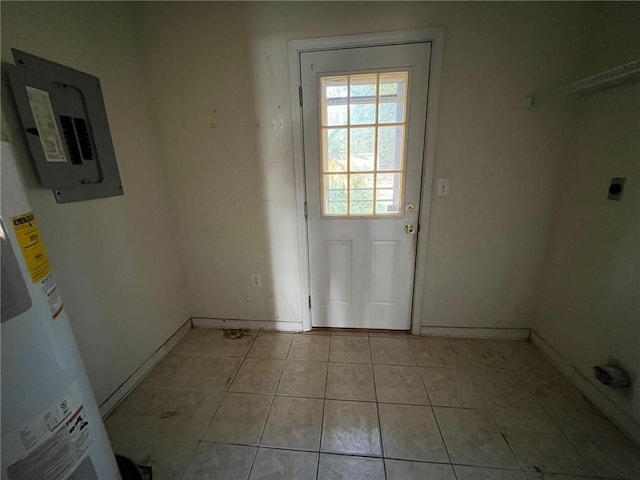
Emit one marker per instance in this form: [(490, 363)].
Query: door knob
[(410, 229)]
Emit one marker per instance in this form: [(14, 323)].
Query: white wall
[(115, 259), (220, 82), (590, 291)]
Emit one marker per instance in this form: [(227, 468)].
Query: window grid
[(376, 99)]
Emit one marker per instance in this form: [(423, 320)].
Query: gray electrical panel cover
[(66, 126)]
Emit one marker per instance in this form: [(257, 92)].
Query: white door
[(364, 114)]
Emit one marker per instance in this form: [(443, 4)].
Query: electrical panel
[(65, 123)]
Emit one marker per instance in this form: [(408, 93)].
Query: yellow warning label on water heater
[(32, 247)]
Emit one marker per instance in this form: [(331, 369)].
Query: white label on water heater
[(52, 444), (50, 289)]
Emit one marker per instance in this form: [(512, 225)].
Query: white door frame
[(296, 47)]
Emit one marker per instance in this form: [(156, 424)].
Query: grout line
[(491, 415), (264, 427), (444, 442), (575, 447), (375, 391), (324, 407), (188, 462), (253, 461)]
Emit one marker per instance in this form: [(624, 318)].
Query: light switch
[(442, 189)]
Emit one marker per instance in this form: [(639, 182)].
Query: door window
[(363, 131)]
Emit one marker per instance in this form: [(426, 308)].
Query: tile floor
[(357, 405)]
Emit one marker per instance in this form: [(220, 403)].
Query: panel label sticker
[(31, 245), (45, 119), (52, 444)]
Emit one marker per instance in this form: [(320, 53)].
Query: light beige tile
[(294, 423), (167, 456), (349, 349), (216, 342), (433, 352), (315, 331), (284, 465), (609, 452), (538, 443), (258, 375), (271, 345), (314, 348), (230, 346), (172, 402), (343, 467), (303, 379), (351, 428), (391, 351), (557, 395), (126, 430), (173, 412), (523, 355), (476, 473), (214, 373), (450, 387), (404, 470), (229, 462), (240, 419), (553, 476), (410, 432), (197, 341), (472, 438), (398, 384), (390, 333), (140, 400), (350, 332), (186, 413), (495, 353), (347, 381), (503, 389), (480, 352), (173, 371)]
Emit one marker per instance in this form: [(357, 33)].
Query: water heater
[(51, 424)]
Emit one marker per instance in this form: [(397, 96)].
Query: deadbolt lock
[(410, 207)]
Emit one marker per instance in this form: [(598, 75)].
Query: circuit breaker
[(65, 122)]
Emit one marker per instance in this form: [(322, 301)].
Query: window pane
[(335, 194), (390, 112), (334, 101), (336, 115), (362, 113), (363, 86), (335, 87), (334, 149), (388, 188), (390, 143), (361, 143), (392, 100), (361, 194)]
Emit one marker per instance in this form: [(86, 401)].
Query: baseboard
[(250, 324), (589, 389), (136, 377), (473, 332)]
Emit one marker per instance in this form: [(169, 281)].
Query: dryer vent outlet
[(612, 376)]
